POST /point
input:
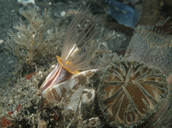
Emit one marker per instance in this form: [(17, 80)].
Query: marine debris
[(124, 14)]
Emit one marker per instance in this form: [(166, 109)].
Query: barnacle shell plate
[(130, 92), (65, 89)]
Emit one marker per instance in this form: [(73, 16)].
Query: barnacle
[(73, 64), (130, 92)]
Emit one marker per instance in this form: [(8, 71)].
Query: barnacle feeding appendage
[(60, 73), (73, 66), (63, 78)]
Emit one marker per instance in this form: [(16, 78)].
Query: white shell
[(75, 100), (88, 96), (64, 89)]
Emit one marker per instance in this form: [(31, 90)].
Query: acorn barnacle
[(73, 67), (130, 92)]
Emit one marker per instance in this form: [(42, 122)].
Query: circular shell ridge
[(130, 92)]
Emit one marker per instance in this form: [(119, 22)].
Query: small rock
[(63, 13), (25, 2), (1, 42)]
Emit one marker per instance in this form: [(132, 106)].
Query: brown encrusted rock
[(151, 12), (130, 92)]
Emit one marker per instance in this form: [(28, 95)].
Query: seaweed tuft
[(34, 36)]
